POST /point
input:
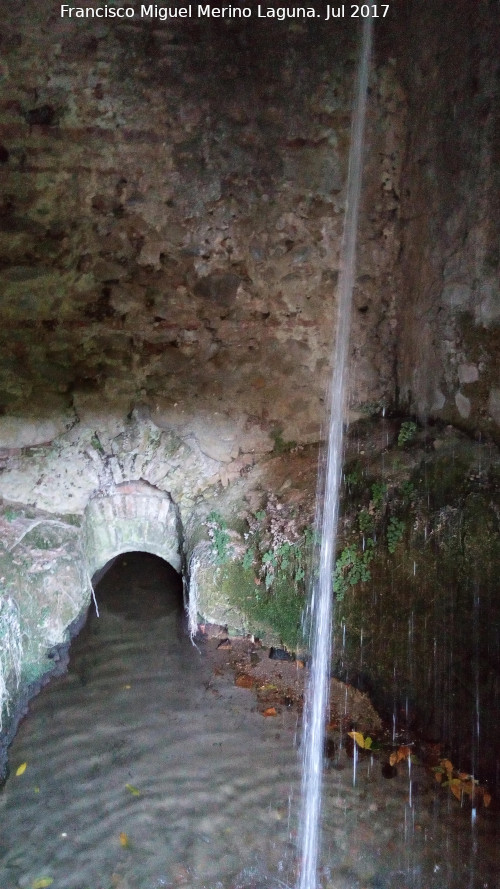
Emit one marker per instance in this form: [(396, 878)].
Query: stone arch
[(134, 516)]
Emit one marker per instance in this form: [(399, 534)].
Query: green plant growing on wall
[(219, 537), (248, 558), (395, 531), (96, 443), (365, 522), (407, 432), (269, 565), (353, 478), (379, 492), (351, 568), (288, 559), (408, 491)]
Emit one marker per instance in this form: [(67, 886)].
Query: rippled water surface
[(145, 770)]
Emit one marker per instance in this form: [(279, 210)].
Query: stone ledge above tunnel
[(134, 516)]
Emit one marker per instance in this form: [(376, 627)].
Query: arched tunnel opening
[(134, 640), (139, 586), (137, 613)]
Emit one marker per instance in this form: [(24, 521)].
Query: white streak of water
[(327, 508)]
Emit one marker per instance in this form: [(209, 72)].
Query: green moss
[(441, 480), (280, 445), (278, 609), (11, 514), (423, 628)]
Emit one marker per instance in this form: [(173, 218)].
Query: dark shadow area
[(139, 586)]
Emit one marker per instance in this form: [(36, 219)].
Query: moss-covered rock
[(421, 630)]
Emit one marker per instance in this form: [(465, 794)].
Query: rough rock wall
[(449, 308), (172, 204)]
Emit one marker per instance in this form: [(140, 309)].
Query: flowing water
[(145, 768), (326, 522)]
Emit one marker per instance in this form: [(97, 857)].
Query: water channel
[(147, 768)]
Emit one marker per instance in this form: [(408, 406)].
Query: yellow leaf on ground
[(446, 765), (133, 790), (124, 840), (42, 883), (456, 791), (358, 737), (438, 776), (368, 742), (21, 769), (271, 711)]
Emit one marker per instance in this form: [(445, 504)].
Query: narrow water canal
[(146, 769)]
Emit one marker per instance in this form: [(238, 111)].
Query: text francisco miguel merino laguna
[(198, 10)]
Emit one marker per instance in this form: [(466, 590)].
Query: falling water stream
[(328, 503)]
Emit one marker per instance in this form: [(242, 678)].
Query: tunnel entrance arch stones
[(135, 516)]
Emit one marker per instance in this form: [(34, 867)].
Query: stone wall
[(449, 310), (172, 202)]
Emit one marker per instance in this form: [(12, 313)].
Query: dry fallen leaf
[(133, 790), (42, 883), (271, 711), (399, 755), (21, 769), (244, 681), (124, 840)]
